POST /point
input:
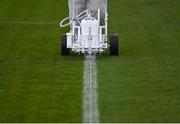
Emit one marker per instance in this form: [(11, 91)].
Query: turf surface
[(36, 83), (143, 83)]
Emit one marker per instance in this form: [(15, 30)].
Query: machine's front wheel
[(114, 45), (64, 50)]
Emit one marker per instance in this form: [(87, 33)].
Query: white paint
[(90, 99), (27, 23)]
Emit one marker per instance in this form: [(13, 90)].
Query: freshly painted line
[(90, 98), (27, 23)]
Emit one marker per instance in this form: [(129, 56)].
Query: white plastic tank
[(89, 31)]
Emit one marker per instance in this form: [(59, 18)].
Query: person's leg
[(79, 6), (93, 6)]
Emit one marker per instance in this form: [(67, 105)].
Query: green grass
[(36, 83), (143, 83), (140, 85)]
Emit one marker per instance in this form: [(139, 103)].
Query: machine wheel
[(64, 50), (114, 45)]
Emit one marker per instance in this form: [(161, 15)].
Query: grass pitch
[(143, 83), (39, 85), (36, 83)]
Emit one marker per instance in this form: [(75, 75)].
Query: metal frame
[(75, 36)]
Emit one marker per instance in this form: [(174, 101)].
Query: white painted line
[(90, 97), (27, 23)]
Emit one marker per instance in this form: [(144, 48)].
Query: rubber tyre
[(64, 50), (114, 45)]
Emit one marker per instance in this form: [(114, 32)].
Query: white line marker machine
[(88, 34)]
